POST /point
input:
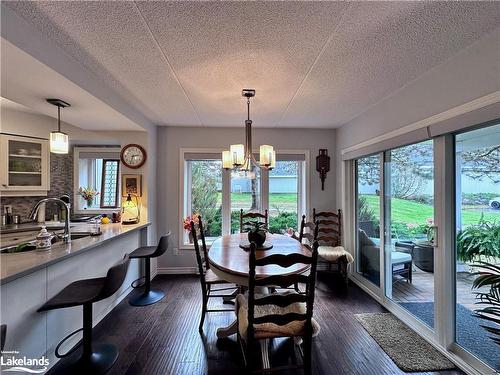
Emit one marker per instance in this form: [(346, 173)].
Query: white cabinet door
[(25, 166)]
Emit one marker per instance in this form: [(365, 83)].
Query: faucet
[(65, 206)]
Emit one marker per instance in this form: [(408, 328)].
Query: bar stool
[(95, 359), (148, 297)]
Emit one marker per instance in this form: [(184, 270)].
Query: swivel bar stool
[(95, 359), (148, 297)]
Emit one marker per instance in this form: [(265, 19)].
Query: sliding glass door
[(477, 187), (368, 218), (424, 273), (409, 220)]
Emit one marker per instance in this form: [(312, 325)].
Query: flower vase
[(90, 202), (190, 235)]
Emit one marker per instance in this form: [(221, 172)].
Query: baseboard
[(176, 271)]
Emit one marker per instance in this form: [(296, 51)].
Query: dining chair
[(328, 233), (307, 232), (289, 314), (207, 277), (247, 220)]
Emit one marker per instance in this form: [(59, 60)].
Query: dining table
[(229, 261)]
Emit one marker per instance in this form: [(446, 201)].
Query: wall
[(38, 125), (472, 73), (172, 139)]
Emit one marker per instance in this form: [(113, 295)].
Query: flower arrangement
[(186, 223), (88, 194)]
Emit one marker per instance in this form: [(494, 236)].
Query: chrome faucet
[(65, 206)]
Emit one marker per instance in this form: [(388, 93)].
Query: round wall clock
[(133, 156)]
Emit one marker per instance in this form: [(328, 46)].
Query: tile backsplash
[(61, 182)]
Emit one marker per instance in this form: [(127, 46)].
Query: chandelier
[(240, 157)]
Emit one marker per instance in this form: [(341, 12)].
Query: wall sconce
[(323, 165)]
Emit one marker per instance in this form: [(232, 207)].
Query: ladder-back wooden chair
[(287, 314), (328, 233), (207, 277), (247, 220), (307, 232)]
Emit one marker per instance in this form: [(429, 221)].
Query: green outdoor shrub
[(479, 240), (283, 221)]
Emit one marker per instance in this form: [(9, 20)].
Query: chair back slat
[(308, 236), (329, 227), (245, 226), (283, 260), (282, 282), (280, 319), (280, 300)]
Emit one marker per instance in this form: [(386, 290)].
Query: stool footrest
[(138, 283), (72, 350)]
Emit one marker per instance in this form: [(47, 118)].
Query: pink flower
[(430, 221)]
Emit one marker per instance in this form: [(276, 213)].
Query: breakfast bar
[(30, 278)]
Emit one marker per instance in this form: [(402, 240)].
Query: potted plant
[(489, 276), (479, 242), (258, 233)]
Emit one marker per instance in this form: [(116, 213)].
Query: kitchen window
[(97, 169), (218, 195)]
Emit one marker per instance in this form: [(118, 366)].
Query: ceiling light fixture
[(59, 142), (240, 157)]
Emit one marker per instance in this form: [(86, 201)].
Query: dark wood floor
[(164, 339)]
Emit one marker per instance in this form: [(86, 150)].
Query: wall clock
[(133, 156)]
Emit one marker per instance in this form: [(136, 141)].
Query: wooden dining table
[(230, 262)]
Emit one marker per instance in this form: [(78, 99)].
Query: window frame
[(77, 209), (184, 199)]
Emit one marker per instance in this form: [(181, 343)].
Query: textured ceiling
[(313, 64)]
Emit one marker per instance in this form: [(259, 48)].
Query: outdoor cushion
[(398, 257), (267, 330), (333, 253)]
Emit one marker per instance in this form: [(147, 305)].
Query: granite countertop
[(16, 265)]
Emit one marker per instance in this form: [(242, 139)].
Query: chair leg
[(307, 345), (203, 313), (148, 296)]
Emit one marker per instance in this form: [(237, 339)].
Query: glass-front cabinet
[(24, 165)]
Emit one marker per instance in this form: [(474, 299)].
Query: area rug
[(470, 335), (408, 350)]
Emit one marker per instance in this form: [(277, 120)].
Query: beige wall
[(172, 139)]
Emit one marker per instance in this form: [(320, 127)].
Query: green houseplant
[(258, 233), (479, 241), (489, 276)]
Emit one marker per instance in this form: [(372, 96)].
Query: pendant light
[(240, 156), (59, 141)]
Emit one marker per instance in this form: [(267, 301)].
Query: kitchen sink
[(29, 243)]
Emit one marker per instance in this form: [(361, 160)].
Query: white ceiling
[(26, 83), (313, 64)]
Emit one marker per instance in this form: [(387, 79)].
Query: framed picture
[(132, 184)]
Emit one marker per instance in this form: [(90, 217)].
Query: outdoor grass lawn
[(413, 212)]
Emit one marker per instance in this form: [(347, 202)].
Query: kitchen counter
[(16, 265)]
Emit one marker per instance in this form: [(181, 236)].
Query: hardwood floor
[(164, 339)]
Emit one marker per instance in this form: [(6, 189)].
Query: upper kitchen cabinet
[(24, 166)]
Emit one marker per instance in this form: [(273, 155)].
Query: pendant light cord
[(59, 118)]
